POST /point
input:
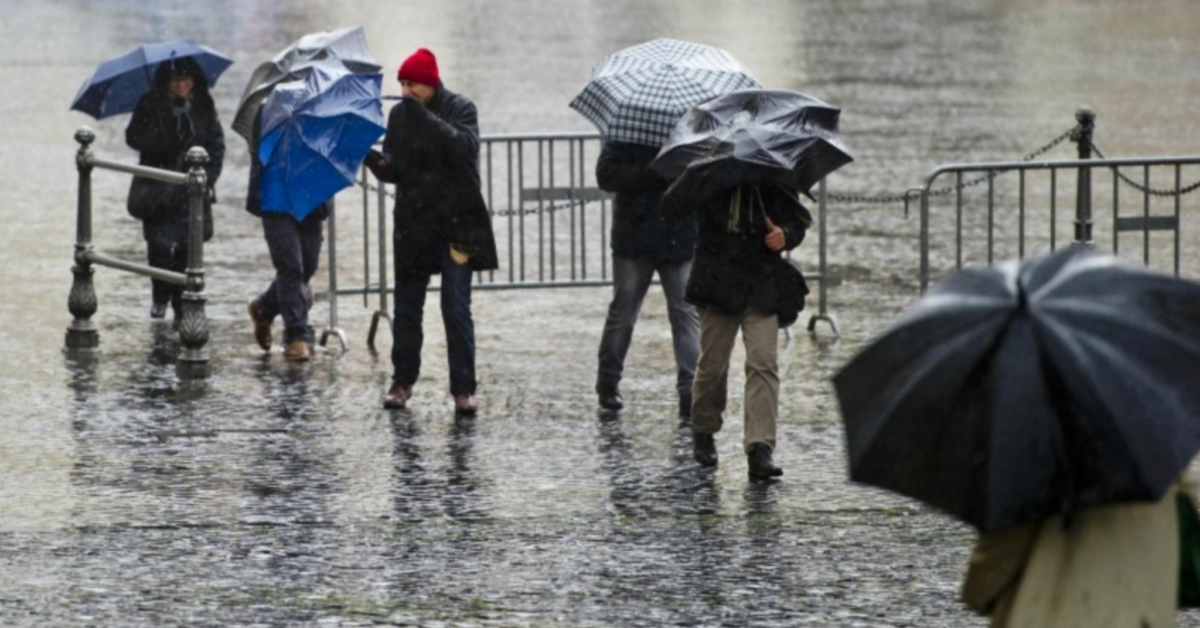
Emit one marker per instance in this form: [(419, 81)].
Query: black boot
[(704, 449), (685, 405), (759, 459), (610, 399)]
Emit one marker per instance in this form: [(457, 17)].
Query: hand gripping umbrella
[(347, 46), (315, 135), (639, 93), (1026, 390), (117, 84), (754, 136)]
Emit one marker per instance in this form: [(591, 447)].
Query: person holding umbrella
[(736, 284), (634, 97), (442, 224), (1049, 402), (175, 115)]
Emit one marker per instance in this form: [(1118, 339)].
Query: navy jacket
[(638, 228)]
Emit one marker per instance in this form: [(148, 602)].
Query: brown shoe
[(397, 396), (297, 351), (464, 404), (262, 327)]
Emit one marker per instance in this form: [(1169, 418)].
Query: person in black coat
[(441, 223), (643, 243), (175, 115), (740, 281)]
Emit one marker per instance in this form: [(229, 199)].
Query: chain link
[(1143, 189), (912, 195)]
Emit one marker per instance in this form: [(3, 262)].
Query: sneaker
[(297, 351), (158, 310), (464, 404), (262, 327), (611, 400), (397, 396)]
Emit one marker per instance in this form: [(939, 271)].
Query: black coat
[(734, 270), (638, 228), (162, 142), (432, 155)]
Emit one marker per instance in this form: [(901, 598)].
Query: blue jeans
[(631, 281), (408, 335), (295, 251)]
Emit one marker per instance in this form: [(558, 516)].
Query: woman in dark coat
[(740, 281), (175, 115), (442, 224)]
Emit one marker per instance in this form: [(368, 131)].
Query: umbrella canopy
[(754, 136), (347, 45), (117, 84), (1025, 390), (315, 135), (639, 93)]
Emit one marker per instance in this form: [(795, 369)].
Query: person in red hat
[(442, 223)]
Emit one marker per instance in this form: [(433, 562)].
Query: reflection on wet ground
[(275, 494)]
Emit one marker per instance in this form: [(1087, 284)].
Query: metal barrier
[(1038, 228), (550, 218), (82, 335)]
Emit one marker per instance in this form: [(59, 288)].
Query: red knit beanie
[(420, 67)]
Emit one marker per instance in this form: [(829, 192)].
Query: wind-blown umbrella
[(315, 135), (1025, 390), (639, 93), (117, 84), (347, 46), (754, 137)]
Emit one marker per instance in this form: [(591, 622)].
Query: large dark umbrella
[(1024, 390), (637, 94), (347, 46), (315, 135), (117, 84), (754, 136)]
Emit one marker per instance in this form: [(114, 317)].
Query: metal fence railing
[(82, 334), (550, 218)]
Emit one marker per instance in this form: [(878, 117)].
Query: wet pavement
[(276, 494)]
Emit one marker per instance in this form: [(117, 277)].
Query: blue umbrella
[(315, 135), (117, 84)]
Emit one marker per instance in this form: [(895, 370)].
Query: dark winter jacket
[(638, 228), (254, 188), (733, 271), (432, 155), (162, 140)]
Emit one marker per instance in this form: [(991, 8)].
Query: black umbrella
[(754, 136), (347, 46), (1019, 391)]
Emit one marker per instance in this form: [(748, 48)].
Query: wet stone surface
[(282, 495)]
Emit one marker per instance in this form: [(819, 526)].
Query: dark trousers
[(295, 248), (408, 334), (168, 256)]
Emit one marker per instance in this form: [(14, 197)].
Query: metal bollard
[(1082, 136), (193, 325), (82, 334)]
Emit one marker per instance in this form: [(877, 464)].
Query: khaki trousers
[(760, 335)]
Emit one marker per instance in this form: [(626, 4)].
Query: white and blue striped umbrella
[(638, 94)]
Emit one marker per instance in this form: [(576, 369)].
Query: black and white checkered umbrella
[(639, 93)]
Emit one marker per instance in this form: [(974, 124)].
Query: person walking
[(295, 248), (642, 244), (441, 223), (740, 281), (1118, 564), (175, 115)]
